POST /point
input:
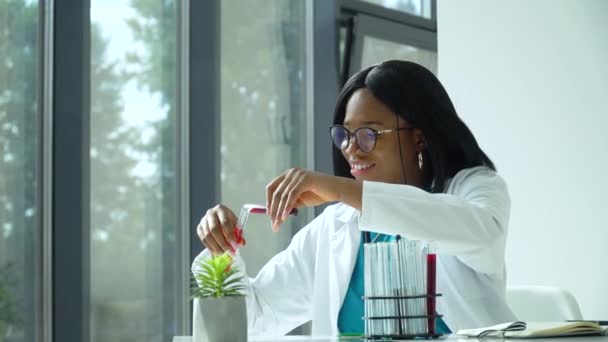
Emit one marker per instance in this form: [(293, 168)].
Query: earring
[(420, 163)]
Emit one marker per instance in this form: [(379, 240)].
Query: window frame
[(368, 26), (354, 7), (361, 18), (66, 151), (204, 111), (70, 170), (44, 319)]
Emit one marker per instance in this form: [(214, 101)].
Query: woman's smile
[(360, 168)]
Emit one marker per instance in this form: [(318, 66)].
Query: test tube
[(244, 215), (431, 286)]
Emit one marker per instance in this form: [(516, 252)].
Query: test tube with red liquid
[(244, 215), (431, 287)]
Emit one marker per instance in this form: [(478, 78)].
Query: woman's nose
[(353, 147)]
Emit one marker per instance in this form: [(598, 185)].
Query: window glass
[(20, 162), (376, 50), (133, 165), (262, 111)]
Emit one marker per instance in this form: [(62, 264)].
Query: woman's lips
[(361, 169)]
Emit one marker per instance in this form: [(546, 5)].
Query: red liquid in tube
[(262, 210), (431, 288), (257, 210)]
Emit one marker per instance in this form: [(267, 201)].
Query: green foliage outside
[(18, 155), (132, 217), (8, 307)]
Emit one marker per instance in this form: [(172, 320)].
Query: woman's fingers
[(207, 238), (227, 223), (227, 219), (270, 190), (289, 197), (292, 188), (201, 233), (294, 199), (216, 230), (275, 197)]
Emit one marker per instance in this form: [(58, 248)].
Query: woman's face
[(381, 164)]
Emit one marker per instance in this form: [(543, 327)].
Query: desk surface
[(450, 338)]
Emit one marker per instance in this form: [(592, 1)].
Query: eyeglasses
[(364, 136)]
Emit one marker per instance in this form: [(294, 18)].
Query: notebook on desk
[(537, 330)]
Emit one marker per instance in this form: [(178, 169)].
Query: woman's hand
[(297, 188), (216, 230)]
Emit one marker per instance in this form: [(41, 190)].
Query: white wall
[(530, 78)]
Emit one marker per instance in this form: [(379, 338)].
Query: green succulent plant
[(217, 277)]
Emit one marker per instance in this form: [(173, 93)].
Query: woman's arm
[(471, 223), (350, 192)]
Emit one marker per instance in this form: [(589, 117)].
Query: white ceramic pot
[(219, 319)]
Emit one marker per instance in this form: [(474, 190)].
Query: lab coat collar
[(344, 245), (345, 214)]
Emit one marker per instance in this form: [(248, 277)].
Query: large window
[(97, 179), (262, 111), (19, 170), (134, 171)]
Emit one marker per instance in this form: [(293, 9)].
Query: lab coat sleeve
[(279, 298), (470, 223)]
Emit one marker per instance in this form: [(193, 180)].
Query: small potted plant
[(219, 309)]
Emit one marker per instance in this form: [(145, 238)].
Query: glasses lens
[(339, 135), (366, 139)]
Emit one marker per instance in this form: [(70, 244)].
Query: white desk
[(450, 338), (274, 339)]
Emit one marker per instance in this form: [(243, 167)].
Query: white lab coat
[(308, 280)]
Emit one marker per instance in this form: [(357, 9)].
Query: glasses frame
[(354, 134)]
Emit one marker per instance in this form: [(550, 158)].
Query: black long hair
[(415, 94)]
